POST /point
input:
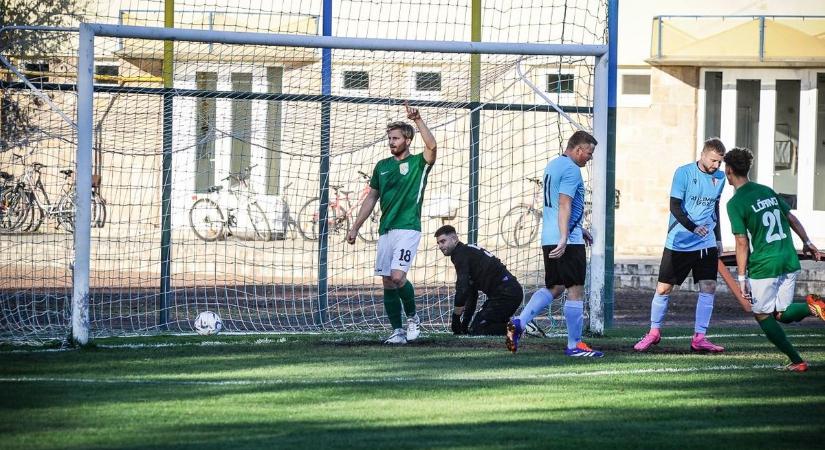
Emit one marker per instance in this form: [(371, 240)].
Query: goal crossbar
[(332, 42)]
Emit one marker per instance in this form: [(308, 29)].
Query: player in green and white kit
[(399, 182), (761, 222)]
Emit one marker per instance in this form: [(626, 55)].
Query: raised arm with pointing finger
[(398, 182)]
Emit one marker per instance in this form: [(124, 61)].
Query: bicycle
[(290, 224), (11, 211), (208, 220), (29, 203), (520, 225), (339, 212)]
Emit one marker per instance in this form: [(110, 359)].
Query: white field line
[(267, 341), (380, 380)]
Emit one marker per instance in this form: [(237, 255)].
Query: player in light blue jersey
[(562, 241), (562, 176), (694, 242)]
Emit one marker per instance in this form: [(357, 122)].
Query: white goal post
[(85, 127)]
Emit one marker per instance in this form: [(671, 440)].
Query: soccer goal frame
[(85, 112)]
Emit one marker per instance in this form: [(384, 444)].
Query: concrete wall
[(642, 273), (652, 141)]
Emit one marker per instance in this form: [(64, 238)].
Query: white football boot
[(398, 337), (412, 327)]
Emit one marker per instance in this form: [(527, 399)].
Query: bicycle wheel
[(98, 211), (37, 214), (514, 229), (206, 220), (65, 214), (34, 219), (14, 208), (527, 228), (308, 220), (259, 222), (369, 229)]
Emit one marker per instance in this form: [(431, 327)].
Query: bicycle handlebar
[(242, 175)]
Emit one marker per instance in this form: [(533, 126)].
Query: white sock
[(658, 309), (574, 315), (704, 308), (539, 301)]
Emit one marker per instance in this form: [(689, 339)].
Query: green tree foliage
[(17, 106)]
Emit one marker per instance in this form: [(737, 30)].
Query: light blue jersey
[(562, 176), (699, 192)]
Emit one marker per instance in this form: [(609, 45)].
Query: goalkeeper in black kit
[(479, 270)]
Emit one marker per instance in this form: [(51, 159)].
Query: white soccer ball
[(208, 323)]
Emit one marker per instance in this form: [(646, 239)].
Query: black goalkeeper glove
[(465, 324), (455, 325)]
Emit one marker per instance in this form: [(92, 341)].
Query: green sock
[(392, 306), (407, 294), (795, 313), (776, 335)]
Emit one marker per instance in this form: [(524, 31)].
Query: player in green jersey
[(761, 222), (399, 182)]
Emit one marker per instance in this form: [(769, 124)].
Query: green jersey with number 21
[(757, 211)]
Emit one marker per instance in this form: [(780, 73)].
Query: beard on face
[(709, 170)]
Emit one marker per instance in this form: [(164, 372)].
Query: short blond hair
[(406, 129)]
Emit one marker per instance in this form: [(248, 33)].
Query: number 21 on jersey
[(771, 220)]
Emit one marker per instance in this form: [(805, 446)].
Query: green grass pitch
[(348, 391)]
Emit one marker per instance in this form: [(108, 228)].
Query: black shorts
[(500, 306), (569, 270), (676, 265)]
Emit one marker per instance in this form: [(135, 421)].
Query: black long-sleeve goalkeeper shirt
[(476, 270)]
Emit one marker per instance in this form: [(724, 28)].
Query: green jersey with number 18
[(757, 211), (400, 186)]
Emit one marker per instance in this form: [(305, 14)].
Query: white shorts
[(396, 251), (773, 294)]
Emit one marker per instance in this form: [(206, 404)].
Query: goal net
[(208, 180)]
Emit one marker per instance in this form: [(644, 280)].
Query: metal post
[(659, 37), (83, 186), (610, 180), (211, 27), (166, 177), (599, 213), (761, 38), (475, 125), (323, 204)]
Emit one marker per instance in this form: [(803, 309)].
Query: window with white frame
[(425, 83), (556, 84)]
